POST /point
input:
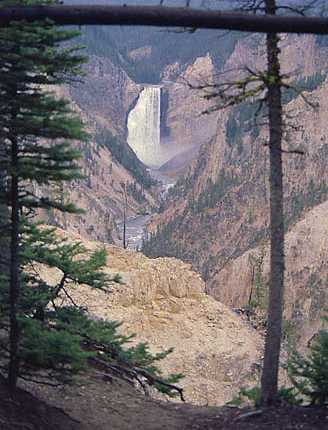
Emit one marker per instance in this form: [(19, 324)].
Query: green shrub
[(309, 375), (253, 396), (247, 395)]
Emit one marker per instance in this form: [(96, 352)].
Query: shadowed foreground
[(94, 404)]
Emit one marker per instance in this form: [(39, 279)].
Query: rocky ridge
[(164, 303)]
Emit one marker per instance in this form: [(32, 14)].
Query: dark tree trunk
[(165, 17), (125, 244), (4, 220), (14, 282), (276, 285), (124, 230)]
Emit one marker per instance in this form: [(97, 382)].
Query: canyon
[(198, 180), (216, 214), (175, 196)]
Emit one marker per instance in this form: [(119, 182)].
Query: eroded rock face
[(300, 55), (100, 196), (163, 301), (306, 276), (106, 94), (188, 127)]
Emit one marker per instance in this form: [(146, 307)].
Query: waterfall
[(144, 123)]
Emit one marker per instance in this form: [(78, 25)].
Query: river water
[(135, 227)]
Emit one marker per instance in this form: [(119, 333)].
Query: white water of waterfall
[(144, 124)]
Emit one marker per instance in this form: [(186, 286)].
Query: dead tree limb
[(130, 374), (160, 16)]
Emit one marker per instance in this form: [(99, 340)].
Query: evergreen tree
[(45, 336), (59, 338), (309, 375), (269, 381), (32, 60)]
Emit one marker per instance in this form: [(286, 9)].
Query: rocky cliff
[(163, 302), (106, 93), (243, 281), (184, 120)]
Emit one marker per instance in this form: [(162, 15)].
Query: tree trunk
[(276, 284), (14, 282), (4, 218), (125, 245), (164, 17)]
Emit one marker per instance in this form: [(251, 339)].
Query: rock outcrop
[(163, 302), (184, 120), (106, 94)]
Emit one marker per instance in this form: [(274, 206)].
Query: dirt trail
[(101, 405)]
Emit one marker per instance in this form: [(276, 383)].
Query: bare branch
[(165, 17), (129, 374)]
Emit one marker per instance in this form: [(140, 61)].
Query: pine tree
[(309, 374), (45, 336), (269, 381), (35, 126)]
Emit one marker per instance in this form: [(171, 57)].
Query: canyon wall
[(122, 61), (104, 98), (219, 210), (243, 282)]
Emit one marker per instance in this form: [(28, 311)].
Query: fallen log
[(160, 16)]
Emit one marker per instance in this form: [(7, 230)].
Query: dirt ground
[(98, 405), (282, 418), (22, 411)]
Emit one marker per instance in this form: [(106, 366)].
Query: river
[(135, 227)]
